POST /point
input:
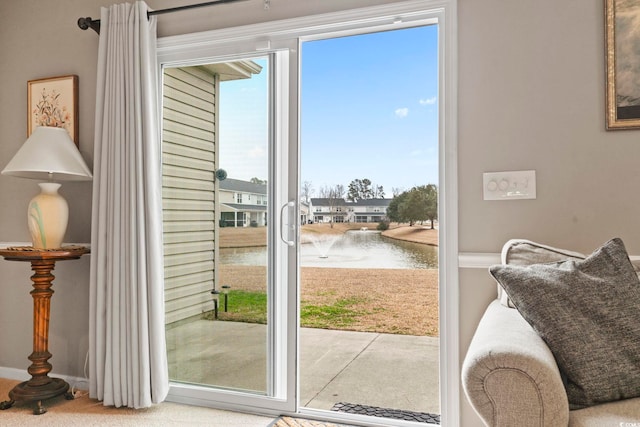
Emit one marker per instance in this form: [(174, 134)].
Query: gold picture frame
[(53, 102), (623, 65)]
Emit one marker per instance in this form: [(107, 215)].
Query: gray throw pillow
[(587, 313), (526, 252)]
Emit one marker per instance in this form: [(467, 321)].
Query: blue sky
[(368, 110), (244, 125)]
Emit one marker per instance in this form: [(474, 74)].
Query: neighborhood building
[(242, 203), (340, 210), (369, 210), (328, 210)]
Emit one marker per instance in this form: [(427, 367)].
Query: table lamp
[(48, 154)]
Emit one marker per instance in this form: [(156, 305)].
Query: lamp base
[(47, 217)]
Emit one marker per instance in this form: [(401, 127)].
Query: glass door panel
[(216, 144), (369, 339)]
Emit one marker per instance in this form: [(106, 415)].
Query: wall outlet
[(510, 185)]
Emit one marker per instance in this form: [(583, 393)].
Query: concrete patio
[(382, 370)]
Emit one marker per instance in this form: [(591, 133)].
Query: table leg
[(40, 387)]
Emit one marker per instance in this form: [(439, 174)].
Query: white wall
[(531, 96)]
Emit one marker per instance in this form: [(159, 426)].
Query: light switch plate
[(509, 185)]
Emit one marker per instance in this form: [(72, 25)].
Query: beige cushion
[(625, 413)]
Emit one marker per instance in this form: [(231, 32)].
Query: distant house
[(242, 203), (304, 213), (328, 210), (340, 210), (369, 210)]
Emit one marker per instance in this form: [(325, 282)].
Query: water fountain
[(353, 249), (322, 243)]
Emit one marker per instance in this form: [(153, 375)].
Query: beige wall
[(531, 96)]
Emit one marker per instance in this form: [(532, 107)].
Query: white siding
[(188, 162)]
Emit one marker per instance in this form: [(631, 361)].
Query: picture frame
[(53, 101), (622, 65)]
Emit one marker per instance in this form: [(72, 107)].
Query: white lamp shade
[(49, 154)]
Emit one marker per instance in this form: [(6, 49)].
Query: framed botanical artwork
[(53, 102), (623, 64)]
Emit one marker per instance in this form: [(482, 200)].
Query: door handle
[(289, 204)]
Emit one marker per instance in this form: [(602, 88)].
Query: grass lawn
[(398, 301), (367, 300), (251, 307)]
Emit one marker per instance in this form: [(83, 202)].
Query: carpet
[(86, 412), (396, 414)]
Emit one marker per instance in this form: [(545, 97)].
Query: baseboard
[(23, 375)]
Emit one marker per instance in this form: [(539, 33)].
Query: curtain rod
[(94, 24)]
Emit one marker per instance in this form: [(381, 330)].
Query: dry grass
[(242, 237), (387, 300), (416, 234), (393, 301)]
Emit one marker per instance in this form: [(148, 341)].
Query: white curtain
[(128, 365)]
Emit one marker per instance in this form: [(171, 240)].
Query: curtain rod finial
[(83, 24), (86, 23)]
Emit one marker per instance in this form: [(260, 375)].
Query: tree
[(414, 207), (256, 180), (354, 192), (363, 189), (334, 196), (396, 191), (306, 191), (431, 191), (393, 210), (418, 204)]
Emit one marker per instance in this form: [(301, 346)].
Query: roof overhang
[(236, 70)]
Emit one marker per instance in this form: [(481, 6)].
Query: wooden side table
[(40, 387)]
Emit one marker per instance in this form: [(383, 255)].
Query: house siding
[(188, 165)]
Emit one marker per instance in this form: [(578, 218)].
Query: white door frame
[(278, 35)]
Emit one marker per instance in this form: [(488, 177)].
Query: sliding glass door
[(260, 193), (369, 252), (229, 229), (215, 123)]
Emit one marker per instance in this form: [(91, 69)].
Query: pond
[(354, 249)]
